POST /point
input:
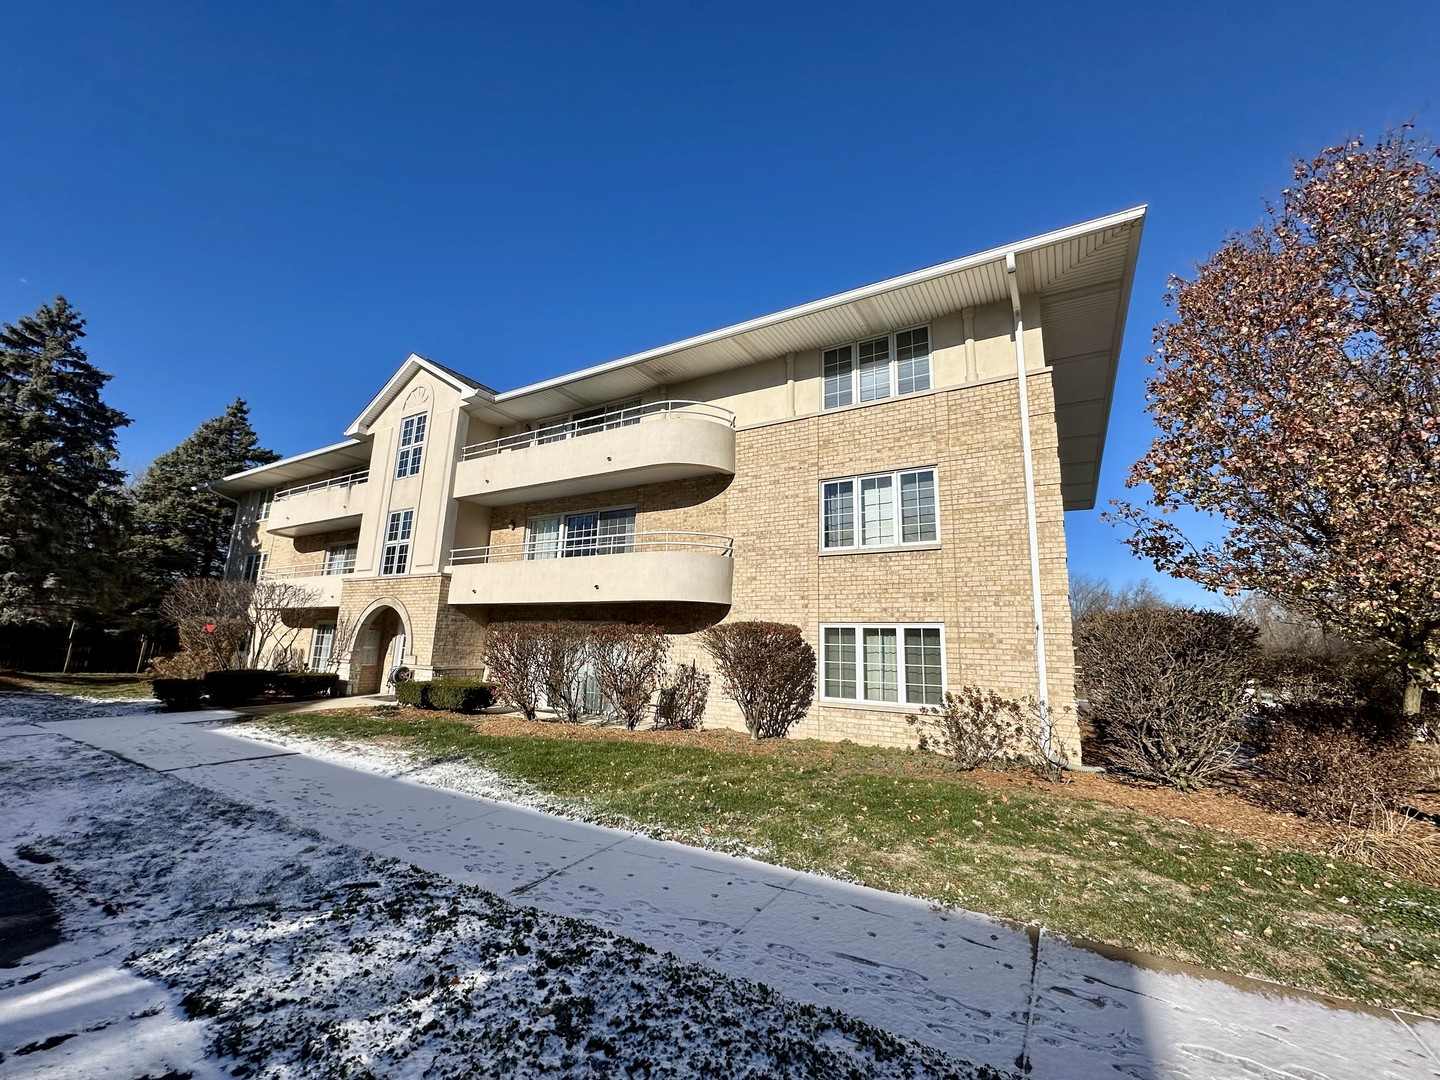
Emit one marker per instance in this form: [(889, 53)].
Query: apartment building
[(888, 469)]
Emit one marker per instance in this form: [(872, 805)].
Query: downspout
[(1042, 671)]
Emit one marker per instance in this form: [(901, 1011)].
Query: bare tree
[(516, 655), (279, 610), (213, 619), (567, 655)]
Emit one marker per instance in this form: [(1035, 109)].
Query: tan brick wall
[(976, 583)]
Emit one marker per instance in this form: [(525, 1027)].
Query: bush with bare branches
[(768, 668), (629, 660), (683, 699), (1167, 689), (975, 727), (516, 659), (567, 654)]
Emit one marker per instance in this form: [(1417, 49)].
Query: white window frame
[(573, 425), (399, 531), (412, 445), (562, 541), (334, 566), (252, 566), (324, 633), (901, 682), (263, 502), (852, 386), (897, 511)]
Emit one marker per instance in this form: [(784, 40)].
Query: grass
[(896, 821), (110, 687)]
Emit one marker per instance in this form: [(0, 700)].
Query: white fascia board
[(295, 459), (916, 277), (412, 363)]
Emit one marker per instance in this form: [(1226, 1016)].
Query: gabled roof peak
[(413, 365)]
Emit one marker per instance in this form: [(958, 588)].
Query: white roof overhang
[(339, 457), (1082, 275)]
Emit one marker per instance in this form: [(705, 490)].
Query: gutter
[(1042, 671)]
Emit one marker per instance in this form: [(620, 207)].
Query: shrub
[(179, 693), (304, 684), (768, 668), (1342, 763), (1352, 677), (236, 686), (1394, 844), (975, 727), (516, 655), (456, 695), (629, 661), (567, 650), (1167, 689), (683, 698), (411, 692)]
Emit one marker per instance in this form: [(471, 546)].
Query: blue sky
[(280, 201)]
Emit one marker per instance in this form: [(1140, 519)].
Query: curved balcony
[(332, 505), (647, 444), (666, 567)]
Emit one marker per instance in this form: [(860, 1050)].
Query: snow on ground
[(19, 708), (205, 938), (470, 778)]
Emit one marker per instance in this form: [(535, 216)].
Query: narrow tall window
[(839, 388), (412, 445), (263, 502), (395, 558), (321, 646), (885, 518), (253, 566)]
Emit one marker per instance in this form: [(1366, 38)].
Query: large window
[(322, 644), (412, 445), (595, 532), (395, 558), (881, 367), (883, 664), (879, 510)]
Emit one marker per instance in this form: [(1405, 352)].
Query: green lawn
[(895, 821), (115, 687)]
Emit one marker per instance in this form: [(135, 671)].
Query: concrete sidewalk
[(963, 983)]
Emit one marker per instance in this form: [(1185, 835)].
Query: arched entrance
[(380, 647)]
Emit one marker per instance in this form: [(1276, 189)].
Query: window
[(412, 443), (879, 368), (605, 418), (887, 665), (321, 646), (340, 559), (263, 502), (395, 558), (595, 532), (881, 510), (253, 566)]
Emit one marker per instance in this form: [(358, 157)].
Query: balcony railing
[(360, 476), (583, 547), (574, 429), (311, 569)]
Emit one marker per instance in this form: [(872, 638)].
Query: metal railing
[(585, 546), (360, 476), (312, 569), (609, 421)]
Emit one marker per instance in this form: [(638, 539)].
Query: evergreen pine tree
[(181, 529), (62, 500)]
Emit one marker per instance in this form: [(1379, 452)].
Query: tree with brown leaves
[(1297, 393)]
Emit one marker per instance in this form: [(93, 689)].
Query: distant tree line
[(81, 544)]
